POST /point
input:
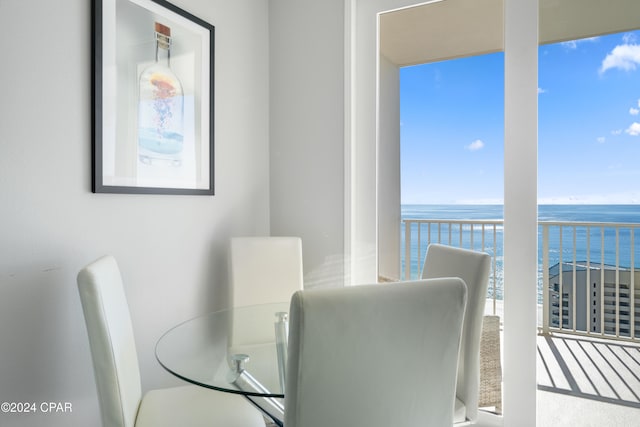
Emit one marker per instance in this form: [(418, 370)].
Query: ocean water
[(621, 246)]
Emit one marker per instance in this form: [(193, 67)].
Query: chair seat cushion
[(459, 412), (193, 406)]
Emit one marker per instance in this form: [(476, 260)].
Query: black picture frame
[(151, 135)]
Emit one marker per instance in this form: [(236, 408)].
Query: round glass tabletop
[(239, 350)]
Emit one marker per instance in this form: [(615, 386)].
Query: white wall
[(520, 211), (389, 192), (171, 249), (307, 132)]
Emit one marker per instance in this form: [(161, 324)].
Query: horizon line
[(480, 203)]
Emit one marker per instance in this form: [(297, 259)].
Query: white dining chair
[(375, 355), (473, 267), (265, 269), (117, 375)]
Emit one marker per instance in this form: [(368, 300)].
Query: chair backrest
[(265, 269), (473, 267), (374, 355), (115, 361)]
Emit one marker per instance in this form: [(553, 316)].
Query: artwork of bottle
[(160, 107)]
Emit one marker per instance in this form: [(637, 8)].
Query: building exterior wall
[(601, 293)]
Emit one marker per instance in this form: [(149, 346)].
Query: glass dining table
[(240, 350)]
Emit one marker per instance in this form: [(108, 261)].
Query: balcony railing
[(483, 235), (588, 282)]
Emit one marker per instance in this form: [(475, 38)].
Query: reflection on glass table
[(240, 350)]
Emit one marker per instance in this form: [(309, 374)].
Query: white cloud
[(540, 90), (476, 145), (573, 44), (634, 111), (634, 129), (485, 201), (601, 139), (625, 57), (616, 132), (629, 38), (631, 197)]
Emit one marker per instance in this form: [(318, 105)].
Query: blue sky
[(452, 125)]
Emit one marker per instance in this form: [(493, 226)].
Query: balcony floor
[(584, 381)]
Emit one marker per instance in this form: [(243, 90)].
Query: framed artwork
[(153, 75)]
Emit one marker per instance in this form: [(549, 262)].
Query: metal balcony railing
[(588, 279), (482, 235)]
